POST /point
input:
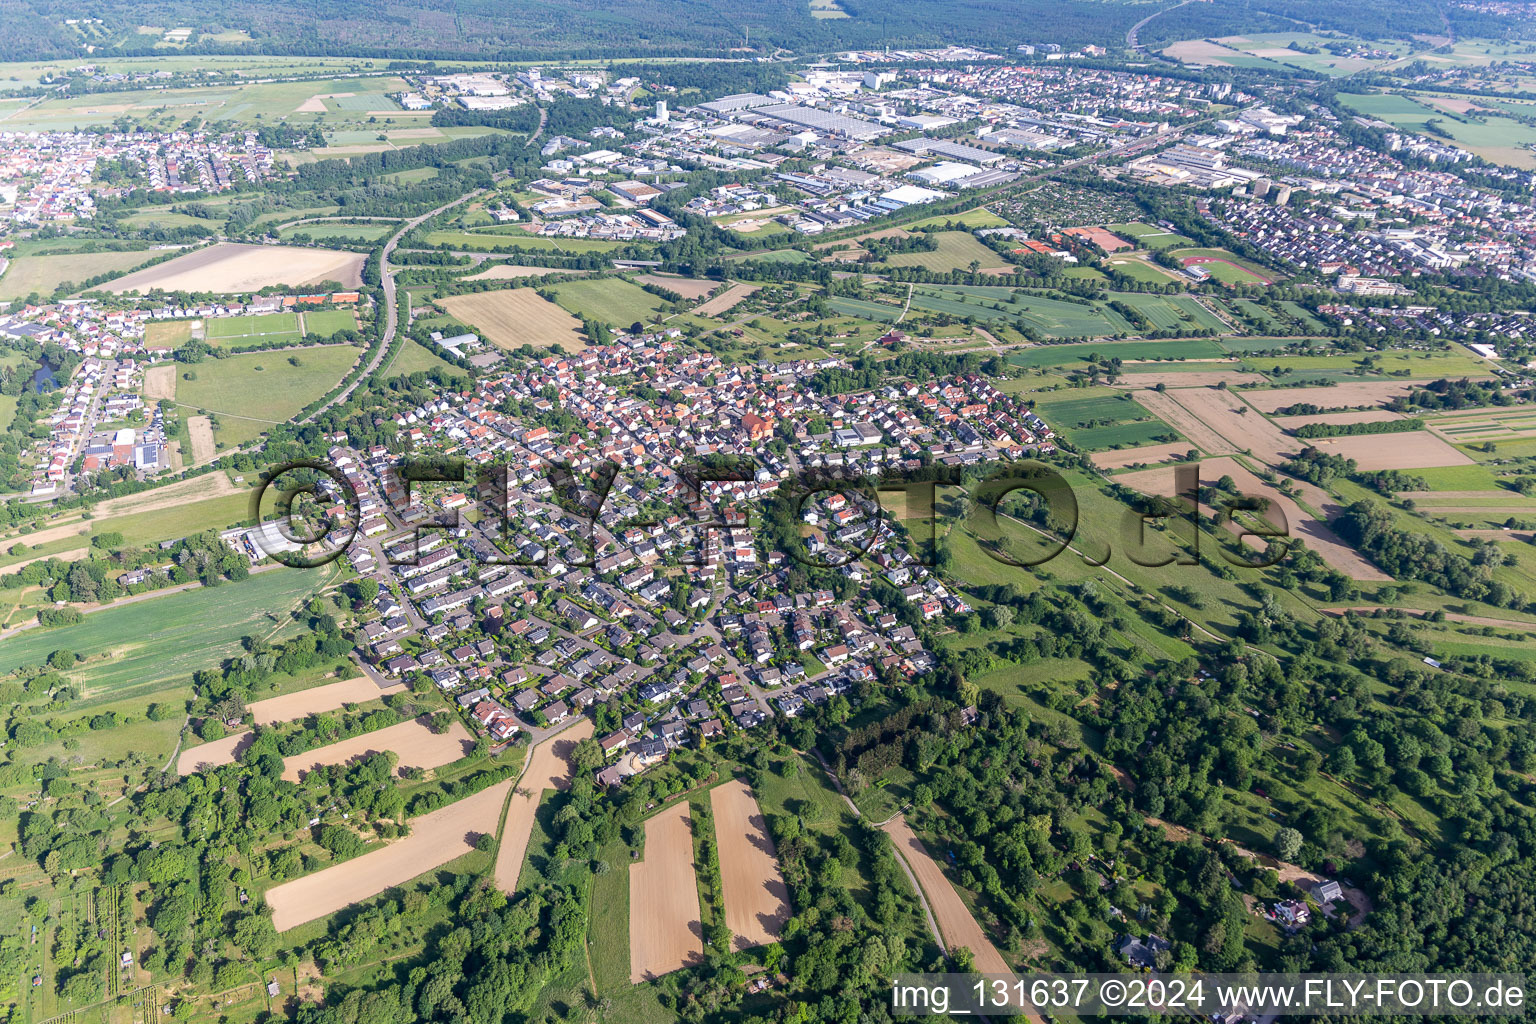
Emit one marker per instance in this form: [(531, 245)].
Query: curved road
[(391, 313), (1131, 42)]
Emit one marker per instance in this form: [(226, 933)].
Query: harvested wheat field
[(666, 932), (956, 924), (1367, 394), (415, 743), (213, 754), (183, 492), (1418, 449), (549, 767), (1185, 378), (1237, 423), (72, 555), (1317, 535), (200, 430), (687, 287), (726, 300), (437, 838), (234, 268), (513, 317), (508, 272), (74, 528), (1200, 51), (756, 898), (291, 707), (1162, 405), (1149, 454), (160, 382)]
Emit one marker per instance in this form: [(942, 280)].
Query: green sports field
[(147, 644), (252, 330), (322, 323), (1150, 236)]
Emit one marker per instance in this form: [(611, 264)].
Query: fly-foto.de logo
[(1024, 514)]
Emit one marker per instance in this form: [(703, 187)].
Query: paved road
[(391, 314), (1131, 40)]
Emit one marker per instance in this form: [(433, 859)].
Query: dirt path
[(756, 898), (437, 838), (549, 767), (1471, 620), (666, 931)]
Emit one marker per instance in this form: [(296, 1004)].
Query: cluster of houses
[(654, 590)]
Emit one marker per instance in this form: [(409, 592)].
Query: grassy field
[(1074, 356), (1496, 138), (1100, 418), (864, 308), (322, 323), (612, 300), (1140, 270), (42, 274), (412, 358), (145, 645), (235, 101), (258, 327), (956, 251), (169, 332), (248, 393), (350, 232), (1378, 364), (478, 240), (1054, 318), (981, 217), (1150, 236)]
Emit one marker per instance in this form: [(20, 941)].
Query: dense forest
[(438, 29)]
